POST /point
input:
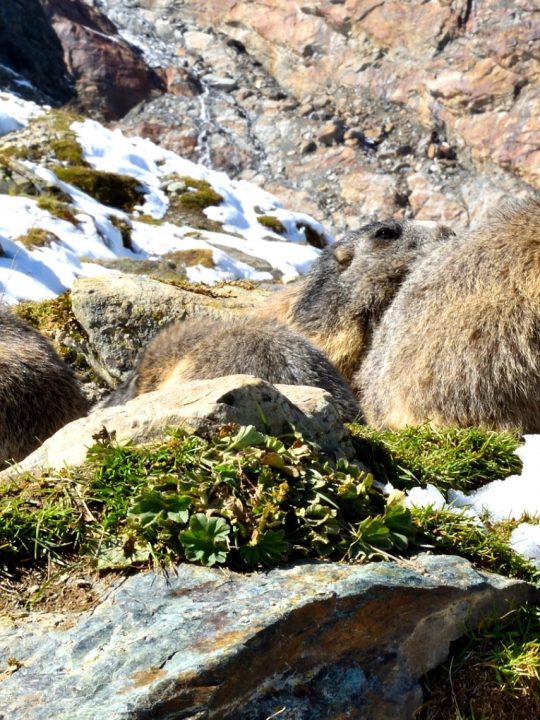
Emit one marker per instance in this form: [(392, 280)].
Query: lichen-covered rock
[(121, 313), (316, 641)]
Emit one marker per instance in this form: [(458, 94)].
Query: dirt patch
[(47, 587)]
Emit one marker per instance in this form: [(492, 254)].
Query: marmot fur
[(332, 311), (202, 349), (342, 298), (38, 391), (460, 344)]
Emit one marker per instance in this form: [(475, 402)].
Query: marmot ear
[(343, 255), (445, 232)]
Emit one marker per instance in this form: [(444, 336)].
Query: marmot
[(332, 311), (342, 298), (460, 344), (38, 391), (201, 349)]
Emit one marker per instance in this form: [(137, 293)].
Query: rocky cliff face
[(347, 109), (70, 51), (109, 74), (30, 52), (351, 108)]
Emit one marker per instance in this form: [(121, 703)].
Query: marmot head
[(354, 281)]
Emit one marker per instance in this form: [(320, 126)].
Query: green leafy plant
[(206, 540), (275, 502), (238, 497)]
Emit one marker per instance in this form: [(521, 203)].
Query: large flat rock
[(317, 640)]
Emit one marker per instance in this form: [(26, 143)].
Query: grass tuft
[(485, 544), (492, 673), (459, 458)]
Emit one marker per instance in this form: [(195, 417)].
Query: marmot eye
[(388, 232)]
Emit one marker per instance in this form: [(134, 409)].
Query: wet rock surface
[(317, 640)]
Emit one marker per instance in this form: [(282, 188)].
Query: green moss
[(188, 198), (31, 151), (461, 458), (68, 150), (49, 316), (54, 318), (47, 135), (119, 191), (12, 151), (196, 184), (189, 258), (272, 223), (203, 198), (57, 207), (183, 214), (148, 219)]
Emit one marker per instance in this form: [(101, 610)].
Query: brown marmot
[(332, 311), (201, 349), (342, 298), (38, 391), (460, 344)]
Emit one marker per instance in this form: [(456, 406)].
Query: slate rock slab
[(317, 641)]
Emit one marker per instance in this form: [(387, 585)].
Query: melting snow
[(508, 499), (43, 272)]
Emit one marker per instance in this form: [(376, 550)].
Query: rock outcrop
[(121, 313), (313, 641), (55, 51), (349, 110), (109, 74), (31, 58), (198, 405), (353, 109)]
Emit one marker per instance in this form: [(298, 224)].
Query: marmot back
[(460, 344), (342, 298), (38, 391), (197, 350)]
